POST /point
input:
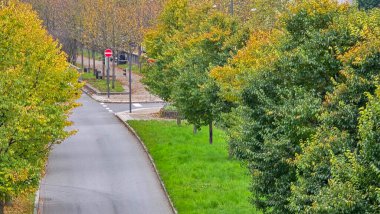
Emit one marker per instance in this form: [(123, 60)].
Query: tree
[(279, 82), (198, 39), (342, 152), (160, 44), (38, 91), (63, 21)]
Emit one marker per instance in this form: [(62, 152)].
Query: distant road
[(102, 169)]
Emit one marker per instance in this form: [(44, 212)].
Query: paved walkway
[(139, 93), (102, 169)]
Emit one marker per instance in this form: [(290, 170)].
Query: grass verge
[(199, 177), (101, 84)]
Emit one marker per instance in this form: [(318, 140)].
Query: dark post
[(130, 79), (108, 77), (195, 130), (82, 62), (232, 7), (211, 134), (178, 120), (103, 66), (93, 61), (113, 73), (2, 206), (89, 58)]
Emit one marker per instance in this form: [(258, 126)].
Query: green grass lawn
[(101, 84), (199, 177)]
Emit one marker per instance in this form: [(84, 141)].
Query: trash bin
[(99, 75)]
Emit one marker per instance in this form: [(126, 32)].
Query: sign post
[(108, 55), (130, 79)]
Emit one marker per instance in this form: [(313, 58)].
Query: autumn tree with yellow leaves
[(38, 91)]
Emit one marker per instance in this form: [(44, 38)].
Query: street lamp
[(132, 45)]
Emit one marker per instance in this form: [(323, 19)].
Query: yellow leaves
[(214, 34), (315, 7), (260, 50), (367, 28), (260, 53), (228, 81), (37, 89)]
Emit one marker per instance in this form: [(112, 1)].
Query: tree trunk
[(178, 119), (82, 61), (211, 134), (103, 66), (93, 61), (195, 130), (2, 206), (89, 58)]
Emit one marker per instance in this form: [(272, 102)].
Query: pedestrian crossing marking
[(138, 105)]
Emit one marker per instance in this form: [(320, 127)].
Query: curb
[(97, 92), (151, 161), (37, 201), (120, 102)]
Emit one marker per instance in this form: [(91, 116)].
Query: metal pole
[(108, 77), (130, 80), (113, 73), (232, 7)]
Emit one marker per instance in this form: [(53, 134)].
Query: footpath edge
[(151, 161)]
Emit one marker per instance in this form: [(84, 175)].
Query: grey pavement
[(102, 169)]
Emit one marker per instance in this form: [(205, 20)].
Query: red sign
[(108, 53)]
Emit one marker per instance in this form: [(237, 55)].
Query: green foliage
[(198, 179), (304, 107), (37, 91), (368, 4), (161, 44), (298, 116), (185, 51)]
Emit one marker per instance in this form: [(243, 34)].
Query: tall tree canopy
[(189, 41), (37, 92), (305, 121)]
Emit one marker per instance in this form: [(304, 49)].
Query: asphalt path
[(102, 169)]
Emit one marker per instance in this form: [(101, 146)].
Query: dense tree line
[(298, 96), (37, 92), (97, 24), (192, 38)]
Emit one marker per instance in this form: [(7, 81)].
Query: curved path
[(102, 169)]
